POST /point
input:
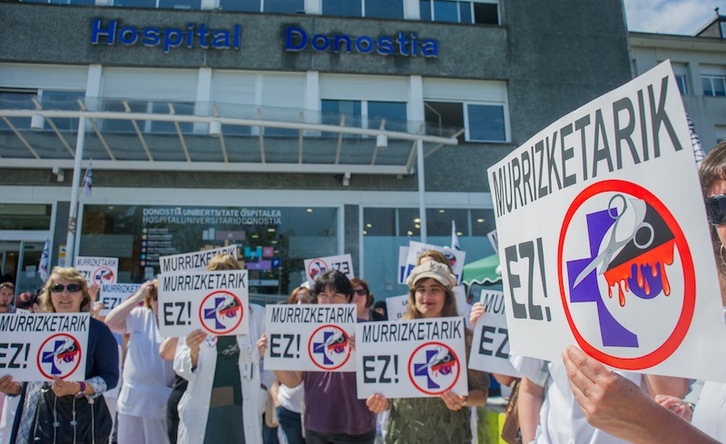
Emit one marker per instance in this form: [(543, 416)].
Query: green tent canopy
[(483, 271)]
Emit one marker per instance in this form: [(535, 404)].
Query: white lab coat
[(194, 404)]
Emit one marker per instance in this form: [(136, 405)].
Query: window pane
[(486, 122), (122, 125), (482, 222), (24, 217), (379, 222), (186, 109), (285, 6), (15, 99), (332, 109), (393, 112), (707, 86), (486, 13), (718, 86), (682, 86), (465, 12), (425, 6), (442, 116), (135, 3), (438, 222), (180, 4), (446, 11), (384, 8), (344, 8), (62, 100), (409, 224), (240, 5)]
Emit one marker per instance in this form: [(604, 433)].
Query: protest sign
[(214, 301), (603, 237), (490, 346), (97, 270), (317, 266), (43, 346), (310, 337), (196, 260), (112, 295), (411, 359), (455, 257)]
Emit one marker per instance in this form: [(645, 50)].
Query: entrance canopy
[(174, 136)]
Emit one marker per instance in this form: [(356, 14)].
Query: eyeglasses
[(716, 209), (72, 288), (361, 292)]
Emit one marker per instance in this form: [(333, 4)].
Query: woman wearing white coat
[(196, 361)]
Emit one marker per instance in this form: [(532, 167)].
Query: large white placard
[(214, 301), (603, 237), (490, 346), (196, 260), (97, 270), (112, 295), (44, 346), (317, 266), (411, 359), (310, 337)]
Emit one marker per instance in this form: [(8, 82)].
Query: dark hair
[(336, 281), (711, 170), (369, 296), (382, 305), (27, 304)]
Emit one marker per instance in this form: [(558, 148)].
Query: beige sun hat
[(433, 270)]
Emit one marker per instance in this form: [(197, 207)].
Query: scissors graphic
[(613, 246)]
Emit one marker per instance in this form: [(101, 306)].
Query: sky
[(684, 17)]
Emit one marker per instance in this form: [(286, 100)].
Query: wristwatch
[(81, 389)]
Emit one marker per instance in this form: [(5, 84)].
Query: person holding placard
[(225, 398), (68, 411), (146, 377), (447, 418), (334, 414), (363, 300), (602, 393)]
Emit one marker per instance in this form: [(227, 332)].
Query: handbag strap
[(18, 413)]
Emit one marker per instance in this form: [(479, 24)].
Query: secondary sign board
[(97, 270), (411, 359), (112, 295), (317, 266), (490, 346), (214, 301), (310, 337), (603, 238), (44, 346), (196, 260)]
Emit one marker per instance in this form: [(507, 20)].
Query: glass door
[(19, 261)]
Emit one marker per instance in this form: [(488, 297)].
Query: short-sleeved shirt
[(333, 406)]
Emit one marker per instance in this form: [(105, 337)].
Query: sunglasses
[(72, 288), (360, 292), (716, 209)]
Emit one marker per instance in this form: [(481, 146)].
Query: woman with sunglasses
[(146, 377), (69, 411), (363, 300), (612, 404)]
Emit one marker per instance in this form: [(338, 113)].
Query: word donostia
[(402, 44), (194, 35)]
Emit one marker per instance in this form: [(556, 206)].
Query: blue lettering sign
[(195, 35), (401, 44)]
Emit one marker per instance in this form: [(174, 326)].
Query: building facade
[(295, 128), (699, 64)]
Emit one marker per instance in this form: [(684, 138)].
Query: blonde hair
[(223, 261), (68, 274)]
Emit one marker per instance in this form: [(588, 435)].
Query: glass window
[(482, 222), (379, 222), (25, 216), (332, 109), (425, 6), (122, 125), (682, 84), (439, 222), (485, 123), (285, 6), (486, 13), (714, 85), (62, 100), (343, 8), (275, 240), (393, 112), (442, 115), (445, 11), (169, 127), (17, 99), (180, 4), (240, 5), (135, 3), (409, 223), (465, 9), (392, 9)]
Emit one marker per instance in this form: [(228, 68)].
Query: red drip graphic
[(661, 255)]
